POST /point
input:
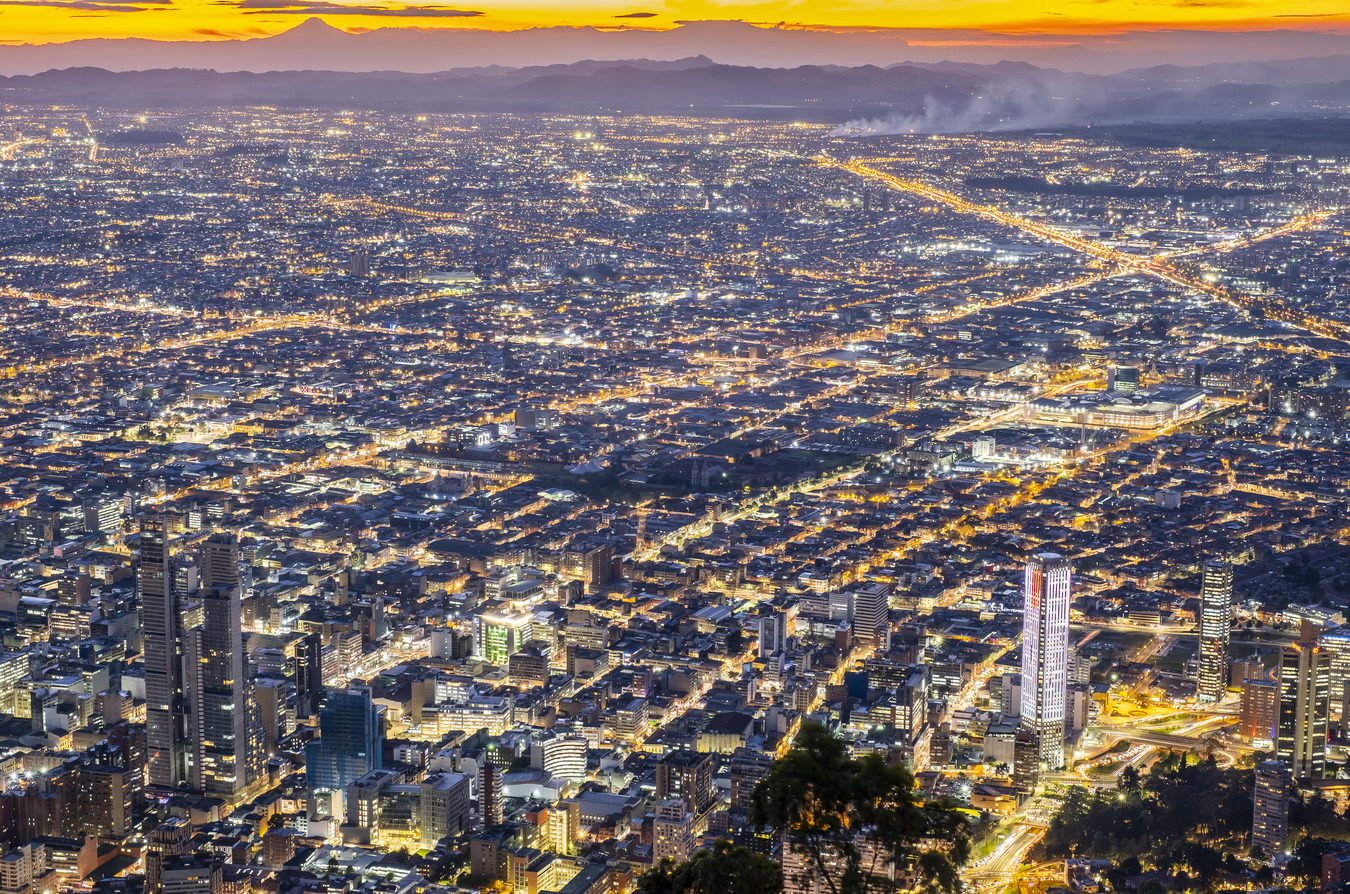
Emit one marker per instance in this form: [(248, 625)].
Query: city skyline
[(510, 494)]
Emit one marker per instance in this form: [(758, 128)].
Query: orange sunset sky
[(42, 21)]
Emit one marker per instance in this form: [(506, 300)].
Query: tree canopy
[(857, 824), (726, 869), (1180, 814), (1194, 818)]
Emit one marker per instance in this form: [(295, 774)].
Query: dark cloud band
[(96, 6), (324, 8)]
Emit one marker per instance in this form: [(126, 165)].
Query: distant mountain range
[(912, 97), (315, 45)]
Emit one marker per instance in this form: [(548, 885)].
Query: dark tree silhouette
[(854, 820), (726, 869)]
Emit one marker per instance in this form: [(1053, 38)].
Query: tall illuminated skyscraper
[(203, 728), (1305, 705), (1216, 617), (1337, 642), (1045, 652), (229, 722), (166, 709)]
